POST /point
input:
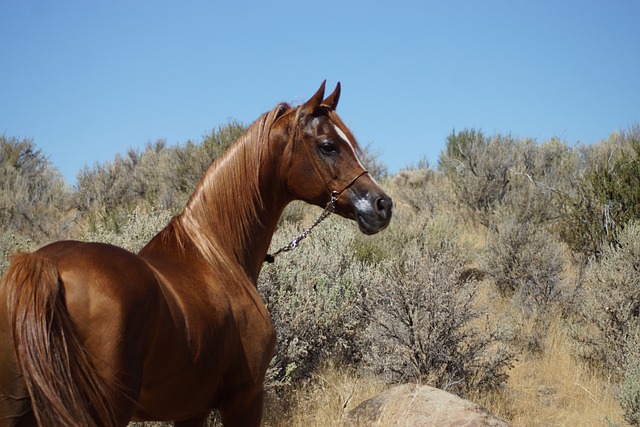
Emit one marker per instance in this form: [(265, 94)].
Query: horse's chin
[(370, 226)]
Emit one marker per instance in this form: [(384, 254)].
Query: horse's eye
[(328, 148)]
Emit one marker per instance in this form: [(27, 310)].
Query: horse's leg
[(244, 410), (198, 421), (15, 403), (15, 410), (118, 361), (116, 329), (26, 420)]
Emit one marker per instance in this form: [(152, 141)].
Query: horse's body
[(91, 334)]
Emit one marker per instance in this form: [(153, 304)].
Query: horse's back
[(102, 269)]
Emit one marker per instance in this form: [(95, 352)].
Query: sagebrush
[(506, 239)]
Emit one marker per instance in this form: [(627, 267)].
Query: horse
[(94, 335)]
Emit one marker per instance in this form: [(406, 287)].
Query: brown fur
[(237, 182), (93, 335), (61, 380)]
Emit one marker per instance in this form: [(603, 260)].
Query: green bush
[(313, 295), (160, 175), (610, 305), (630, 399), (422, 313), (604, 199), (34, 202), (525, 262)]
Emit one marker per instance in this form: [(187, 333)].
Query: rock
[(414, 405)]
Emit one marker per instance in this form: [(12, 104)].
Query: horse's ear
[(332, 100), (310, 107)]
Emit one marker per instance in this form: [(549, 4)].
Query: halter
[(328, 210)]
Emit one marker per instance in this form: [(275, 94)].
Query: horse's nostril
[(384, 205)]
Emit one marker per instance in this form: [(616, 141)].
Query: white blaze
[(344, 136)]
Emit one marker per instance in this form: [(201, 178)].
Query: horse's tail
[(64, 386)]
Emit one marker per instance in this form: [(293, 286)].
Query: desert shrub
[(630, 398), (478, 167), (419, 189), (213, 420), (34, 203), (312, 295), (116, 186), (370, 159), (296, 212), (524, 260), (219, 139), (610, 305), (424, 321), (488, 172), (160, 175), (137, 229), (604, 198), (10, 244), (541, 172), (552, 162), (137, 178)]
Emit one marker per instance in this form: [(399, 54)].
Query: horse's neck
[(234, 211)]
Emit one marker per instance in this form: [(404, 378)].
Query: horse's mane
[(227, 197)]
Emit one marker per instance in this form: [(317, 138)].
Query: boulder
[(415, 405)]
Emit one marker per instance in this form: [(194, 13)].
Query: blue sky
[(88, 79)]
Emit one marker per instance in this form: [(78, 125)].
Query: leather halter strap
[(328, 210), (353, 181), (336, 193)]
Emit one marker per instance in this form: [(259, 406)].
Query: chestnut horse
[(93, 335)]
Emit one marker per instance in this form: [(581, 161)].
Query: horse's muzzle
[(373, 214)]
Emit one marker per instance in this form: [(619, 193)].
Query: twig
[(588, 392)]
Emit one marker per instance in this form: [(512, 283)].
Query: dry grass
[(554, 389), (548, 390), (551, 389), (326, 398)]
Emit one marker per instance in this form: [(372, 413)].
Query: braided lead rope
[(328, 210)]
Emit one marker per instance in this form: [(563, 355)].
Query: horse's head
[(325, 162)]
